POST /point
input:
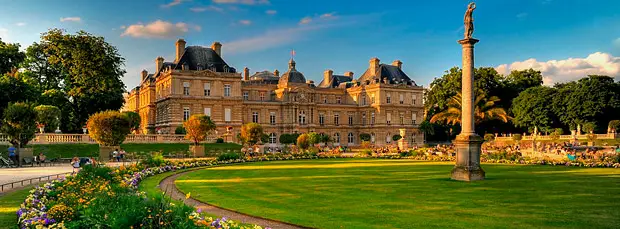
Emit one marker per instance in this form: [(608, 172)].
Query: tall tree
[(517, 82), (93, 73), (48, 76), (533, 109), (13, 88), (10, 57)]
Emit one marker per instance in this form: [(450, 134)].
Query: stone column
[(468, 143)]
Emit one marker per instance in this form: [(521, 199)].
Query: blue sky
[(566, 39)]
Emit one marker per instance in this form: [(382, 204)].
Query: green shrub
[(108, 128), (219, 140), (303, 141), (154, 160), (365, 137), (396, 137), (19, 123), (406, 153), (48, 116), (180, 130), (614, 125), (228, 156), (134, 120)]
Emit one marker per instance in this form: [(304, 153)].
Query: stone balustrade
[(86, 139), (562, 137)]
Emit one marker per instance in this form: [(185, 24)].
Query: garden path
[(171, 189)]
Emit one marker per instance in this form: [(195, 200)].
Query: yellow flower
[(188, 195)]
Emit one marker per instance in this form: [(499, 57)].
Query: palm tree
[(484, 110)]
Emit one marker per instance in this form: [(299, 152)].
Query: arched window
[(302, 117), (272, 138), (388, 138), (336, 138), (350, 138), (372, 137)]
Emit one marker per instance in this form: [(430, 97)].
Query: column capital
[(468, 41)]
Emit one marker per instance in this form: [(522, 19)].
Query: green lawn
[(92, 150), (9, 204), (409, 194)]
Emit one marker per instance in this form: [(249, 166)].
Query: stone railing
[(85, 139), (562, 137)]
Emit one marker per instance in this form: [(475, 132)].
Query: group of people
[(119, 155)]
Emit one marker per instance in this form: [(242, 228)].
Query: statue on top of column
[(469, 20)]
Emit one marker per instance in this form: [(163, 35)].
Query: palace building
[(382, 102)]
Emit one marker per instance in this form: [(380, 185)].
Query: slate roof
[(206, 58), (335, 81), (392, 73), (292, 75)]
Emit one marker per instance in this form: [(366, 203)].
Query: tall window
[(255, 117), (350, 138), (413, 98), (262, 96), (302, 117), (185, 88), (207, 89), (208, 111), (227, 90), (324, 99), (389, 118), (372, 118), (246, 95), (338, 99), (364, 119), (272, 118), (185, 113), (402, 119), (414, 118), (372, 138), (350, 119), (363, 99), (227, 115), (388, 98), (321, 119), (401, 98), (336, 138), (272, 138), (336, 119), (388, 138)]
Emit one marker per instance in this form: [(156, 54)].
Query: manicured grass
[(92, 150), (409, 194), (9, 204)]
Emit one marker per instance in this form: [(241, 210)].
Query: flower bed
[(93, 192)]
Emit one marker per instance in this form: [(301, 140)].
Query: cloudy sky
[(565, 39)]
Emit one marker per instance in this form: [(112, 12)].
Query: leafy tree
[(134, 120), (93, 69), (48, 116), (314, 138), (19, 123), (10, 56), (365, 137), (251, 133), (614, 125), (13, 88), (198, 127), (396, 137), (484, 110), (180, 130), (324, 138), (555, 135), (264, 138), (108, 128), (517, 82), (427, 128), (303, 141), (589, 127), (532, 108), (285, 139), (47, 76)]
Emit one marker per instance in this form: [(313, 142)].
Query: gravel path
[(171, 189)]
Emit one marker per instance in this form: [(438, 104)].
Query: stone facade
[(381, 102)]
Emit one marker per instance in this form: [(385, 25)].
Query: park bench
[(28, 160)]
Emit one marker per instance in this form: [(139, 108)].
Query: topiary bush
[(365, 137), (396, 137), (18, 123), (303, 141), (228, 156), (180, 130), (219, 140), (108, 128)]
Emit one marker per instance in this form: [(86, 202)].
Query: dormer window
[(226, 68), (199, 67)]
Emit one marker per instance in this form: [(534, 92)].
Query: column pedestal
[(467, 166)]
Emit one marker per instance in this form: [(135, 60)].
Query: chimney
[(180, 44), (398, 64), (276, 73), (374, 65), (159, 62), (144, 73), (246, 74), (217, 47), (327, 75), (349, 74)]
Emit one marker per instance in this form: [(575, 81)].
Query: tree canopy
[(48, 116), (10, 57), (198, 128), (532, 108), (108, 128), (19, 123), (251, 133)]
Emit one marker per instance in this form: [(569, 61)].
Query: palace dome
[(292, 75)]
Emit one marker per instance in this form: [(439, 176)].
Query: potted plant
[(109, 129), (197, 128), (19, 125)]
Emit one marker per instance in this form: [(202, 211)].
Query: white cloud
[(271, 12), (173, 3), (159, 29), (557, 71), (208, 8), (245, 22), (305, 20), (20, 23), (73, 19), (244, 2)]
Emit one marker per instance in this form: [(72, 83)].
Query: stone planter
[(197, 150), (26, 152), (105, 152)]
